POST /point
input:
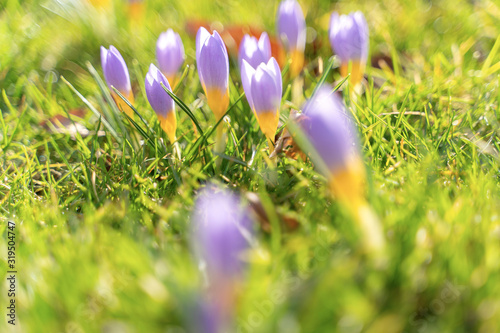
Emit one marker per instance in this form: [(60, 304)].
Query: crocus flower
[(170, 54), (116, 75), (213, 70), (329, 129), (253, 51), (349, 40), (263, 88), (331, 134), (161, 102), (292, 33), (220, 233)]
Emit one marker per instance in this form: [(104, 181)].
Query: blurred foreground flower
[(292, 33), (263, 88), (116, 75), (349, 40), (161, 102), (253, 51), (220, 236), (336, 153), (170, 54)]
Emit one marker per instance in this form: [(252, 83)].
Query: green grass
[(103, 220)]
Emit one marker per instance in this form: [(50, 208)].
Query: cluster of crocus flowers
[(291, 26), (161, 102), (263, 89), (336, 153), (349, 40), (254, 51), (221, 234), (170, 54), (116, 75)]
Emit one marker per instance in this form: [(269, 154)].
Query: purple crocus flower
[(350, 41), (213, 70), (161, 102), (330, 131), (292, 33), (220, 233), (170, 54), (253, 51), (263, 88), (116, 75)]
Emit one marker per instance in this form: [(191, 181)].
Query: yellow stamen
[(171, 79), (122, 106), (135, 10), (100, 3), (356, 69), (218, 101), (297, 64), (169, 125), (268, 122)]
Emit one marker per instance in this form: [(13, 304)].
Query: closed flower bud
[(253, 51), (213, 70), (116, 75), (331, 133), (292, 33), (220, 233), (349, 40), (161, 102), (170, 54), (263, 88)]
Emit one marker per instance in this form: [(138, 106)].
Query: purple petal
[(201, 37), (349, 36), (265, 46), (115, 70), (253, 51), (220, 223), (169, 52), (330, 129), (247, 72), (221, 42), (104, 57), (273, 66), (213, 63), (291, 25), (265, 91), (158, 98)]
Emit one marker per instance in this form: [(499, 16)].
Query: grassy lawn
[(103, 214)]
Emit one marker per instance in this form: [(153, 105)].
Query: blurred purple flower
[(292, 33), (170, 54), (116, 75), (349, 39), (263, 88), (161, 102), (330, 131), (253, 51), (291, 25), (221, 227), (213, 70)]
